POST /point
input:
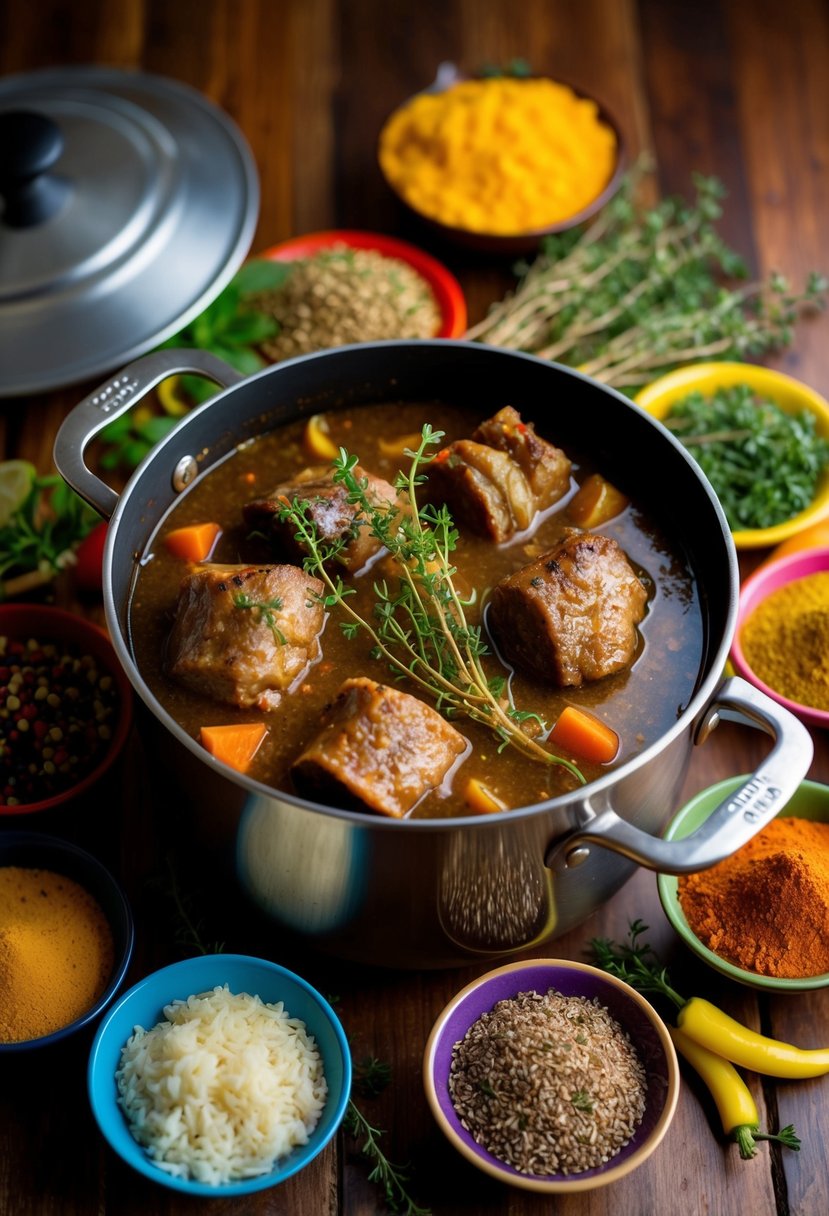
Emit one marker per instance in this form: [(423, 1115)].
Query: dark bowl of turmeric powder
[(498, 162), (66, 939), (781, 643), (761, 916)]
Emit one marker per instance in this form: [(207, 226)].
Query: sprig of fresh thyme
[(392, 1179), (419, 627), (640, 291), (266, 610)]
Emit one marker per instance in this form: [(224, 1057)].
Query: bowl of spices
[(781, 643), (219, 1075), (499, 162), (761, 438), (349, 286), (65, 707), (760, 917), (66, 939), (551, 1076)]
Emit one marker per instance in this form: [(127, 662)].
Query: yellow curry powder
[(766, 909), (785, 640), (500, 156), (56, 952)]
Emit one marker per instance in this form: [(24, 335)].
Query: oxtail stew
[(521, 587)]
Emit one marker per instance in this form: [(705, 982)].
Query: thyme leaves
[(266, 610), (640, 291), (419, 626)]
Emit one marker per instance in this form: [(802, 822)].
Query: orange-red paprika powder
[(766, 909)]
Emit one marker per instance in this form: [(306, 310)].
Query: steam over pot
[(438, 892)]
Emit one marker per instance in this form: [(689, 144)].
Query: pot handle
[(734, 821), (114, 398)]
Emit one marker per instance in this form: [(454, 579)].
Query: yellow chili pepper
[(721, 1034), (732, 1097)]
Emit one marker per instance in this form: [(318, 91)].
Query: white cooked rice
[(223, 1088)]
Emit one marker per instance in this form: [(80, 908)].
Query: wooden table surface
[(737, 90)]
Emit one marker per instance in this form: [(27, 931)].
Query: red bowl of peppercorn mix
[(65, 707), (551, 1076)]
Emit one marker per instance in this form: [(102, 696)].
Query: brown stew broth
[(640, 703)]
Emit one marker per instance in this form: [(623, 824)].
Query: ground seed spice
[(549, 1084), (786, 640), (344, 295), (56, 952), (767, 908)]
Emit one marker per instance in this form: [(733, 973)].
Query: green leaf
[(250, 329), (261, 275)]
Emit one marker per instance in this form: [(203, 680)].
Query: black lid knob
[(30, 144)]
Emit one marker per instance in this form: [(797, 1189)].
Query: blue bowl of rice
[(220, 1075)]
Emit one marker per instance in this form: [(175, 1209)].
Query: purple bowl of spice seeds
[(635, 1017)]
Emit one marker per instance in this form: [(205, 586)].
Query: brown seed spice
[(549, 1084)]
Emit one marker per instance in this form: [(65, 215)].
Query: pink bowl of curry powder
[(784, 651)]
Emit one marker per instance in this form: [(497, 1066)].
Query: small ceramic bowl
[(34, 850), (765, 580), (444, 285), (24, 621), (811, 801), (449, 74), (789, 394), (646, 1030), (143, 1005)]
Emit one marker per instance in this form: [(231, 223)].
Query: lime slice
[(16, 480)]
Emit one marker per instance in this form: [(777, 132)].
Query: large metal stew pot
[(438, 892)]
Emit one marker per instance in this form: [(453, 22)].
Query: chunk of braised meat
[(496, 482), (380, 747), (571, 615), (334, 516), (244, 634), (546, 467)]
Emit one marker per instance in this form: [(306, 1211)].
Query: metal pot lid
[(129, 202)]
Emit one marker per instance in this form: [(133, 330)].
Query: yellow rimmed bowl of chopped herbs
[(761, 438)]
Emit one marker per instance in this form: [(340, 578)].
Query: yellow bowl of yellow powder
[(497, 163), (66, 939), (781, 643), (760, 917)]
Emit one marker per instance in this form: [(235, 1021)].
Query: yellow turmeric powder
[(785, 640), (56, 952), (501, 156), (766, 909)]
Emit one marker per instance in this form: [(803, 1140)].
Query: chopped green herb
[(763, 462), (486, 1088), (582, 1101)]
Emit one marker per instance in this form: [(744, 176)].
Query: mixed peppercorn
[(58, 710)]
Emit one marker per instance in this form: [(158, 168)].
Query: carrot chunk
[(194, 543), (585, 735), (235, 745)]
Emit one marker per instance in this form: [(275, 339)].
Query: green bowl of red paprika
[(767, 903), (65, 707)]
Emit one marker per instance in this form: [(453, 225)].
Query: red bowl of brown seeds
[(551, 1076), (65, 707)]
